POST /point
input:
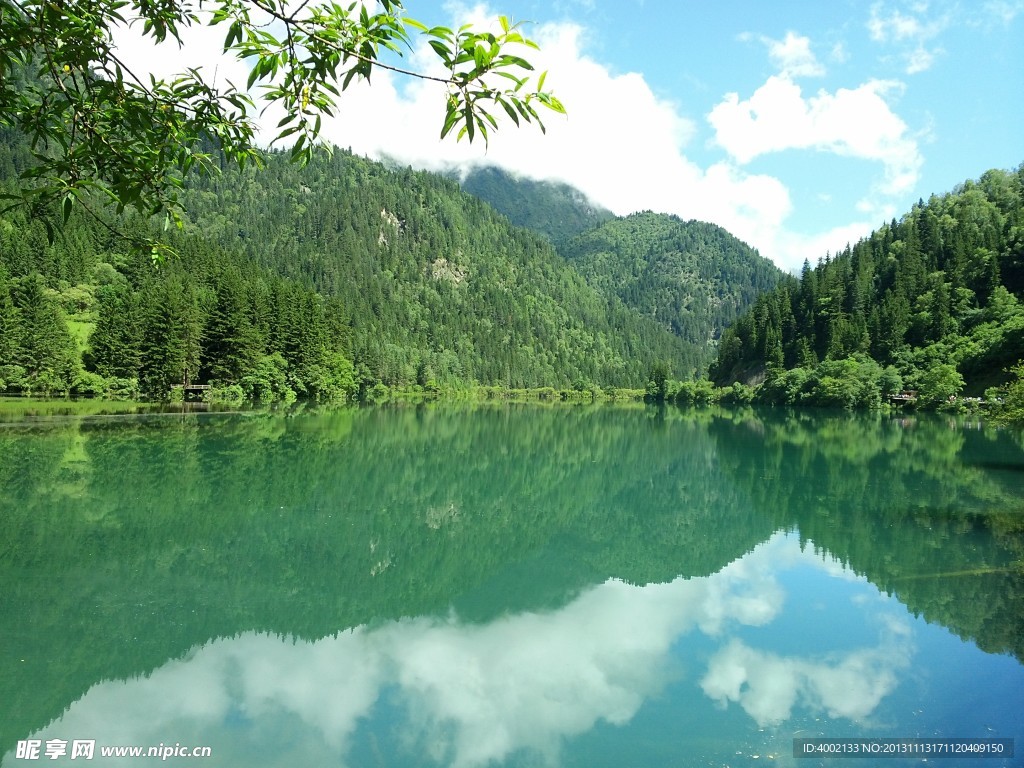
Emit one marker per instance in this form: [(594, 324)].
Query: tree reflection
[(130, 541)]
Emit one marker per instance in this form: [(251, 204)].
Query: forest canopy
[(931, 304)]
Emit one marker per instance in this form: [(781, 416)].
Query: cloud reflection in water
[(471, 694)]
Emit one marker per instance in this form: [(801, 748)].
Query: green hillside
[(437, 286), (692, 277), (930, 303), (316, 281)]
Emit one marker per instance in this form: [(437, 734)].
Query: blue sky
[(798, 126)]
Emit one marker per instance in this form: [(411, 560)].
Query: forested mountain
[(558, 211), (931, 302), (437, 286), (692, 277), (310, 281)]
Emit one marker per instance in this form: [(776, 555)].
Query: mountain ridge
[(692, 277), (555, 209)]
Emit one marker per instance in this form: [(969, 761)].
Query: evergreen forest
[(930, 306), (692, 277), (347, 278), (338, 280), (439, 289), (84, 315)]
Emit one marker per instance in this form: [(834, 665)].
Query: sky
[(798, 126)]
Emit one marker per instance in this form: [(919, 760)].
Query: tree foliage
[(101, 131), (80, 316), (934, 298), (1011, 407), (435, 285), (319, 282), (556, 210), (692, 277)]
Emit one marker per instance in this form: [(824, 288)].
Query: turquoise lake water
[(508, 586)]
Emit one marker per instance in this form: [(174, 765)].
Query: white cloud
[(911, 32), (1004, 11), (920, 60), (626, 148), (202, 50), (596, 148), (768, 686), (854, 122), (895, 26), (839, 54), (793, 57), (622, 145)]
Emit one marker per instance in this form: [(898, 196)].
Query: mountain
[(313, 281), (438, 288), (347, 274), (691, 277), (556, 210), (932, 300)]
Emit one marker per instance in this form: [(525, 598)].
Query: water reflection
[(521, 686), (768, 686), (584, 586)]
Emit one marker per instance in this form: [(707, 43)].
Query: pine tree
[(46, 350), (232, 346), (172, 329), (10, 325), (115, 346)]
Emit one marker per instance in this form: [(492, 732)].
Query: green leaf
[(450, 120), (234, 35), (255, 73), (442, 51), (511, 112), (297, 152), (442, 32), (554, 105), (508, 60)]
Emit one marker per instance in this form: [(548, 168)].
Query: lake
[(508, 586)]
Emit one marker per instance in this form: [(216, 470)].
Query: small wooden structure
[(195, 391)]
